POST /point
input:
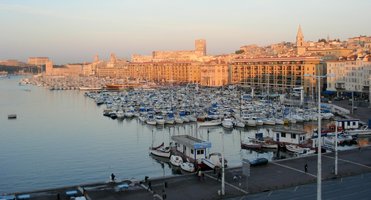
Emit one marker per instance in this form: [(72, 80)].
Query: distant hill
[(14, 63)]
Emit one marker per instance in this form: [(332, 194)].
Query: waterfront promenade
[(263, 180)]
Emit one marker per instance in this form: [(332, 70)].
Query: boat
[(214, 160), (250, 144), (187, 167), (160, 120), (160, 151), (176, 160), (296, 149), (89, 88), (215, 122), (227, 123), (115, 86)]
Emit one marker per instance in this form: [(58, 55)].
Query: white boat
[(160, 151), (142, 118), (129, 114), (176, 160), (90, 88), (296, 149), (227, 123), (239, 124), (178, 120), (269, 121), (259, 122), (279, 121), (151, 121), (215, 122), (188, 167), (214, 160), (251, 122), (159, 120), (191, 118), (120, 114)]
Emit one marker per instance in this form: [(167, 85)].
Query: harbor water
[(61, 138)]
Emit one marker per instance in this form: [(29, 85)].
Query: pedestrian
[(203, 176), (113, 177), (219, 175), (149, 185), (163, 194), (199, 174), (58, 196), (306, 167)]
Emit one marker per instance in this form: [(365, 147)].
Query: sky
[(71, 31)]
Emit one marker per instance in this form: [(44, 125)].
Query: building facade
[(279, 74), (352, 75)]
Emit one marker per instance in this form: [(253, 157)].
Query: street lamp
[(223, 182), (319, 134)]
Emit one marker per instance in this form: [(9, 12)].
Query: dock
[(275, 176)]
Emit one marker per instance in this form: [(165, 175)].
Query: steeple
[(299, 38)]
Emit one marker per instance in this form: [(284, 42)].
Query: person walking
[(113, 177), (306, 167)]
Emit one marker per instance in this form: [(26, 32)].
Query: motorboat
[(215, 122), (227, 123), (160, 151), (250, 144), (160, 120), (188, 167), (214, 160), (296, 149), (176, 160)]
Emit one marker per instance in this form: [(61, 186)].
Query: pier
[(262, 182)]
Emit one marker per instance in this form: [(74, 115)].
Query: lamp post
[(319, 135), (223, 183), (336, 147)]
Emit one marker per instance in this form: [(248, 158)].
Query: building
[(185, 55), (37, 60), (300, 44), (353, 74), (279, 74)]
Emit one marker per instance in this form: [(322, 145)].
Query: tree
[(239, 51)]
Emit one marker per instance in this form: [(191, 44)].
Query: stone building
[(351, 75), (279, 74)]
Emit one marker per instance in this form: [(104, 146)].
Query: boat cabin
[(347, 124), (191, 147), (291, 136)]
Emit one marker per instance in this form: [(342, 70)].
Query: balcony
[(365, 88)]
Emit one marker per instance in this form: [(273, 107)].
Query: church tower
[(300, 47)]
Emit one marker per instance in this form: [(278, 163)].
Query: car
[(259, 161)]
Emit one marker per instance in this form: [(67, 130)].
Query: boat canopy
[(191, 142)]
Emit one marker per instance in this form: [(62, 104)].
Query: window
[(191, 151), (201, 151), (283, 134), (293, 136)]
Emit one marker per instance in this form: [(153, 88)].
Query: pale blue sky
[(74, 30)]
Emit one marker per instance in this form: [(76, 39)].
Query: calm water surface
[(61, 138)]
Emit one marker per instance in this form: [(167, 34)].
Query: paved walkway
[(265, 181)]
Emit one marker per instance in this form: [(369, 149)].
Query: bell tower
[(300, 46)]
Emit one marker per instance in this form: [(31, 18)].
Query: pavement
[(276, 180)]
